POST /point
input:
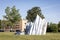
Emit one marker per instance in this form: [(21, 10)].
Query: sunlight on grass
[(11, 36)]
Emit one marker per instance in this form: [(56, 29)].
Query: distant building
[(21, 25)]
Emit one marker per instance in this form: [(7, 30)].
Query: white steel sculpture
[(38, 27)]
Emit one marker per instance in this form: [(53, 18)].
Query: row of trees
[(52, 27)]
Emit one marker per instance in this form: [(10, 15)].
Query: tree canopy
[(32, 13), (12, 14)]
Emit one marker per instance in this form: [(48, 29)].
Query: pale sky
[(50, 8)]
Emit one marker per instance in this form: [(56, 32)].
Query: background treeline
[(52, 27)]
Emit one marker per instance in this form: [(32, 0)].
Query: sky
[(50, 8)]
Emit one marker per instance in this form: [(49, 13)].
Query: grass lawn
[(11, 36)]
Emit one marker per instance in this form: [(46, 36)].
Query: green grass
[(11, 36)]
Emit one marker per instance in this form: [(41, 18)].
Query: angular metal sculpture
[(38, 27)]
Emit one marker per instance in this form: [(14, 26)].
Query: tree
[(59, 26), (32, 13), (12, 15), (53, 27), (48, 27), (0, 24), (3, 24)]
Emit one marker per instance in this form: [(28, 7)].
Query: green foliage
[(32, 13), (52, 27), (48, 27), (0, 24), (5, 23), (12, 15), (59, 26)]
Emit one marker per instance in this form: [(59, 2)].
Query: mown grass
[(11, 36)]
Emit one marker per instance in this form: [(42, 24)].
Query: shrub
[(52, 28)]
